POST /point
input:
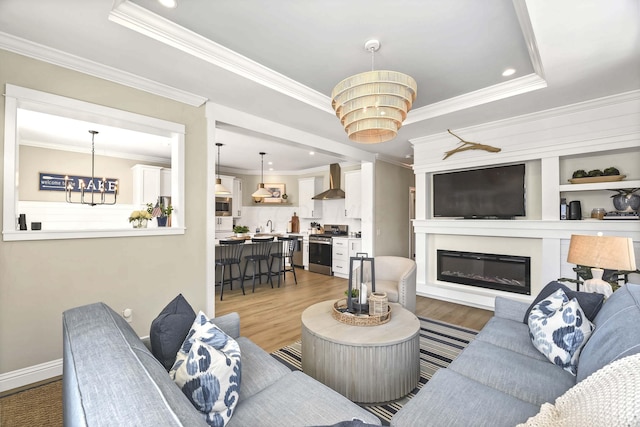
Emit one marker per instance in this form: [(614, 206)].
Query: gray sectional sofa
[(500, 379), (111, 378)]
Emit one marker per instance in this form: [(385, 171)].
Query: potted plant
[(240, 230), (164, 216), (626, 200)]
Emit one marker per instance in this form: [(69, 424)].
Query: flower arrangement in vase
[(139, 219)]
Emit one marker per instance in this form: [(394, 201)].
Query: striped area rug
[(440, 343)]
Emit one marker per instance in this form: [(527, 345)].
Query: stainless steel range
[(320, 248)]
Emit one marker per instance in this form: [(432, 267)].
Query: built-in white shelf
[(528, 229), (600, 186)]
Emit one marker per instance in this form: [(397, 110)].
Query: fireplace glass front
[(500, 272)]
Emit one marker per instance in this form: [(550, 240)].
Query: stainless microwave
[(223, 206)]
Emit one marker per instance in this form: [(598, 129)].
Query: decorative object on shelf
[(467, 145), (378, 303), (221, 190), (101, 184), (362, 276), (240, 230), (162, 211), (261, 192), (596, 179), (610, 174), (275, 193), (600, 252), (372, 106), (598, 213), (626, 200), (285, 196), (139, 219)]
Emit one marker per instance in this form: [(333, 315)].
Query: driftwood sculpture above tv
[(466, 145)]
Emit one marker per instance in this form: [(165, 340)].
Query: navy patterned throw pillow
[(208, 371), (559, 329)]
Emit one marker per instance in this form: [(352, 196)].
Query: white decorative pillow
[(559, 329), (207, 370)]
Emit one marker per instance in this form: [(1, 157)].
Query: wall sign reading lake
[(56, 182)]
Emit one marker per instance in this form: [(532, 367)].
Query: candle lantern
[(362, 276)]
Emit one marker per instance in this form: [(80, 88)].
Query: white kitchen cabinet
[(307, 188), (165, 182), (352, 190), (236, 202), (146, 184), (224, 227), (343, 248)]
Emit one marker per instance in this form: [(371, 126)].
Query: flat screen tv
[(497, 192)]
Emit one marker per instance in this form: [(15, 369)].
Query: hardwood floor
[(271, 317)]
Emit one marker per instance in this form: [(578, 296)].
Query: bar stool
[(285, 254), (260, 250), (229, 254)]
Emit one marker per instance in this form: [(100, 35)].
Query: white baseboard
[(30, 375)]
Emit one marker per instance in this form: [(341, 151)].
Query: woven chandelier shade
[(372, 106)]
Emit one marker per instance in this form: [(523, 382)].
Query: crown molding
[(522, 13), (139, 19), (161, 29), (565, 110), (496, 92), (72, 62)]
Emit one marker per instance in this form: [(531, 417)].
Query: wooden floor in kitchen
[(271, 317)]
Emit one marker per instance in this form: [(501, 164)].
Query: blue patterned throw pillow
[(559, 329), (208, 370)]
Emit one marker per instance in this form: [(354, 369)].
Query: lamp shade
[(608, 252), (261, 192), (221, 190)]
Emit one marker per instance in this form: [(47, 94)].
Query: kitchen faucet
[(271, 228)]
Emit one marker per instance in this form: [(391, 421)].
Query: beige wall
[(41, 279), (34, 160), (392, 223)]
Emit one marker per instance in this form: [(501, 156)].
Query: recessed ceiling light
[(270, 169), (269, 163), (311, 153), (508, 72), (171, 4)]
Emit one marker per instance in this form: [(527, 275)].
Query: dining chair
[(229, 253), (260, 251), (284, 255)]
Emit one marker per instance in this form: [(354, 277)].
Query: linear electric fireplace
[(500, 272)]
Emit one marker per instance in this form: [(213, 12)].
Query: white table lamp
[(600, 252)]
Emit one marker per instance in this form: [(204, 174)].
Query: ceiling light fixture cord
[(221, 190), (261, 192)]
